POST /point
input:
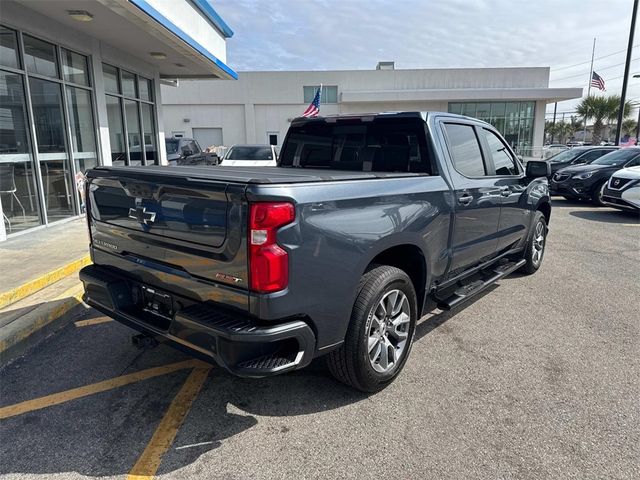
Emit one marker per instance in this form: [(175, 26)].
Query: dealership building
[(260, 105), (80, 87)]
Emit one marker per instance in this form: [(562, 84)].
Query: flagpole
[(593, 51), (625, 79)]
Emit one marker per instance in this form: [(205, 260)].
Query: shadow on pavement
[(105, 433), (607, 216)]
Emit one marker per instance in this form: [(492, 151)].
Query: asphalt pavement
[(539, 378)]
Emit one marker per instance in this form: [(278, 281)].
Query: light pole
[(637, 75), (627, 64)]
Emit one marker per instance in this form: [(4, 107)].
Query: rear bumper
[(237, 342)]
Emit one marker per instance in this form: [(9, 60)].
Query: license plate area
[(152, 306), (157, 303)]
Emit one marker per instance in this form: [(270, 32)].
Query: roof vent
[(386, 66)]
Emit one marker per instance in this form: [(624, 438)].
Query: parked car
[(367, 223), (187, 151), (623, 189), (577, 156), (553, 149), (251, 156), (588, 181)]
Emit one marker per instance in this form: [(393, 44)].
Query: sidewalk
[(27, 257), (39, 286)]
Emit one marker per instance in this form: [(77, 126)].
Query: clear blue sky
[(356, 34)]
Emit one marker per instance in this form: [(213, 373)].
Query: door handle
[(465, 199), (505, 191)]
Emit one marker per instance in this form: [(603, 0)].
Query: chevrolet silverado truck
[(367, 222)]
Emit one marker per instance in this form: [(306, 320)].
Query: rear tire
[(536, 244), (379, 336)]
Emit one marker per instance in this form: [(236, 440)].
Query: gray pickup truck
[(368, 222)]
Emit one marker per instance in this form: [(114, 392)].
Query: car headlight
[(583, 176)]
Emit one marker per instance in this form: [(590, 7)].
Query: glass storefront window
[(74, 68), (39, 183), (129, 84), (133, 132), (116, 131), (145, 89), (18, 190), (149, 134), (40, 57), (8, 48), (110, 75), (514, 120), (83, 139), (55, 168), (131, 118)]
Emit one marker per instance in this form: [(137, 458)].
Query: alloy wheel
[(388, 331), (538, 244)]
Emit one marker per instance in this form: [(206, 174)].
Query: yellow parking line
[(61, 397), (148, 463), (92, 321)]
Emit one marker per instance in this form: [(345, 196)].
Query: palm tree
[(601, 109), (629, 126)]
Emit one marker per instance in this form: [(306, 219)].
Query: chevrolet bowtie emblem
[(141, 215)]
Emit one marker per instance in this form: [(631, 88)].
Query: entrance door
[(208, 137)]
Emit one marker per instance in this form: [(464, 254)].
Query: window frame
[(489, 155), (139, 101), (483, 153), (322, 95)]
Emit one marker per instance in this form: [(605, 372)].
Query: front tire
[(380, 333), (536, 244), (598, 194)]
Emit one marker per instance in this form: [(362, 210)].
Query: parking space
[(537, 378)]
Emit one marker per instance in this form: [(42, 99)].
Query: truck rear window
[(381, 145)]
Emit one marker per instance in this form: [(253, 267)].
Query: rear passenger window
[(465, 150), (593, 155), (502, 159)]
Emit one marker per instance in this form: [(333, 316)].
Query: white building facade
[(260, 105), (80, 87)]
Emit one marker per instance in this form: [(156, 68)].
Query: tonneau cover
[(248, 175)]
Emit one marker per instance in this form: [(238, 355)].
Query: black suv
[(187, 151), (589, 181), (577, 156)]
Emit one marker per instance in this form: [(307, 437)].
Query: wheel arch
[(410, 259)]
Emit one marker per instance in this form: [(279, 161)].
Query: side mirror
[(186, 152), (537, 169), (579, 161)]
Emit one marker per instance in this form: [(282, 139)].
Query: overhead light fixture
[(158, 55), (80, 15)]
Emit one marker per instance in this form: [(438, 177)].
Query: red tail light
[(268, 263)]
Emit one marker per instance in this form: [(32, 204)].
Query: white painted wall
[(261, 102)]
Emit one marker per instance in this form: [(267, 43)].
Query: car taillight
[(268, 262)]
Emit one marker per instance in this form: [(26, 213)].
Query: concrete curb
[(20, 335), (16, 294)]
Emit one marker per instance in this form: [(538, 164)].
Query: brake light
[(268, 262)]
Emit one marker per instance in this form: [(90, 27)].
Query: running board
[(468, 290)]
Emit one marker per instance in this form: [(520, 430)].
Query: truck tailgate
[(169, 230)]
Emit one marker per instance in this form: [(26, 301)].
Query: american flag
[(314, 107), (597, 81)]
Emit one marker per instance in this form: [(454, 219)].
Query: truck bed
[(249, 175)]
